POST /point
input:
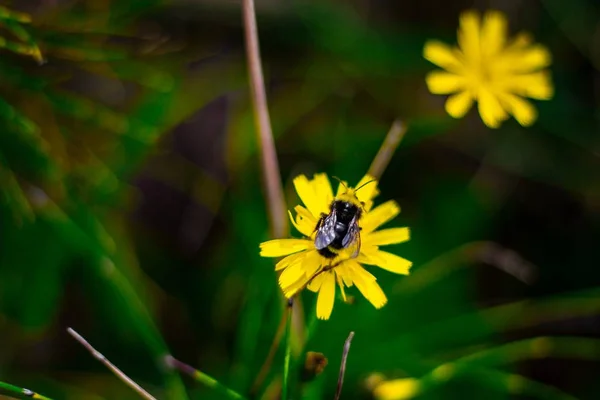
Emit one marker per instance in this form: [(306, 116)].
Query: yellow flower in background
[(305, 266), (488, 68), (395, 389)]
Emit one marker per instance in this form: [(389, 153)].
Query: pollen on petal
[(283, 247), (326, 296), (379, 216), (387, 236)]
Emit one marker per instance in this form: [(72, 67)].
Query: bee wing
[(326, 231), (352, 238)]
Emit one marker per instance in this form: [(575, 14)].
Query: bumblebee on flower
[(339, 237)]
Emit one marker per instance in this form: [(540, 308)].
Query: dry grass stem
[(387, 149), (340, 382), (270, 165), (100, 357)]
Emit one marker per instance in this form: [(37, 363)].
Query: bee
[(339, 229)]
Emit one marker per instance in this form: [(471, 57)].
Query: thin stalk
[(288, 350), (266, 367), (270, 165), (201, 377), (340, 382), (387, 149), (119, 374)]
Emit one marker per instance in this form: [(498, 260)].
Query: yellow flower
[(488, 68), (397, 389), (303, 265)]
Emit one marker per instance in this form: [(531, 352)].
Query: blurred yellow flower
[(304, 266), (397, 389), (488, 68)]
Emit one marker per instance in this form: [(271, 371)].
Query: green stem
[(22, 391), (201, 377), (288, 350)]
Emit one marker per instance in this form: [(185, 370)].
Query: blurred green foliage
[(131, 205)]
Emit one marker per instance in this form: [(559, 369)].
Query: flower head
[(488, 68), (304, 265)]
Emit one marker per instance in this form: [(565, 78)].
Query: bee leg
[(320, 221)]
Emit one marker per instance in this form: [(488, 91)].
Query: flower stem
[(201, 377), (262, 374), (270, 165), (387, 149), (288, 350)]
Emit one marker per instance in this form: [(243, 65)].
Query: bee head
[(349, 194)]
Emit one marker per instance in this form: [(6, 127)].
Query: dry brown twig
[(340, 382), (387, 149), (270, 165), (100, 357)]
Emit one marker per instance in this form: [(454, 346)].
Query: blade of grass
[(25, 392), (201, 377), (288, 350)]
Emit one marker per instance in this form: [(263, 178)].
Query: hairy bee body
[(339, 229)]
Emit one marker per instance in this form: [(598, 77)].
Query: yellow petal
[(292, 274), (523, 111), (490, 109), (311, 264), (293, 289), (343, 272), (493, 32), (301, 226), (306, 192), (289, 260), (389, 262), (323, 191), (305, 220), (457, 105), (443, 56), (367, 188), (326, 296), (531, 59), (315, 284), (537, 85), (468, 35), (341, 285), (368, 286), (439, 82), (379, 216), (283, 247), (386, 236)]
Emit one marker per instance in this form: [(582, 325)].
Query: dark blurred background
[(131, 204)]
